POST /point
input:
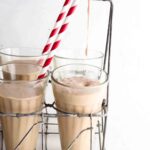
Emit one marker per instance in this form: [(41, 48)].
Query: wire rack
[(48, 124), (49, 120)]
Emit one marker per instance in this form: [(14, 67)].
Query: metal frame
[(101, 116), (44, 125)]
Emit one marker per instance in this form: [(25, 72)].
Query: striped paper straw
[(58, 39), (57, 26)]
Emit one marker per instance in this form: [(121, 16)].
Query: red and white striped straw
[(55, 45), (57, 26)]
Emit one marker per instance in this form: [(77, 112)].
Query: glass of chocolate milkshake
[(22, 55), (78, 89), (21, 94)]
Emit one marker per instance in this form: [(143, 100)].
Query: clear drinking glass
[(22, 55), (21, 94), (72, 56), (79, 89)]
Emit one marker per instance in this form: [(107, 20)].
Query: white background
[(129, 122)]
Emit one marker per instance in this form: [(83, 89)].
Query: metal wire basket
[(48, 123)]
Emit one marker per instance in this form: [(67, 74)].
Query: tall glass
[(22, 55), (21, 93), (79, 89)]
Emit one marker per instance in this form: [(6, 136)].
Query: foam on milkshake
[(79, 82)]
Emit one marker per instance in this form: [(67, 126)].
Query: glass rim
[(23, 81), (86, 58), (56, 81), (21, 48)]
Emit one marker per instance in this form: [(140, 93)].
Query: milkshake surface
[(79, 82)]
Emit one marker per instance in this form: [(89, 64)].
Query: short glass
[(78, 89)]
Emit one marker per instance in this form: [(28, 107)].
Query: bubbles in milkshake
[(79, 82)]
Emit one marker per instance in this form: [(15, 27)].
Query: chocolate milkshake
[(77, 92), (21, 93)]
